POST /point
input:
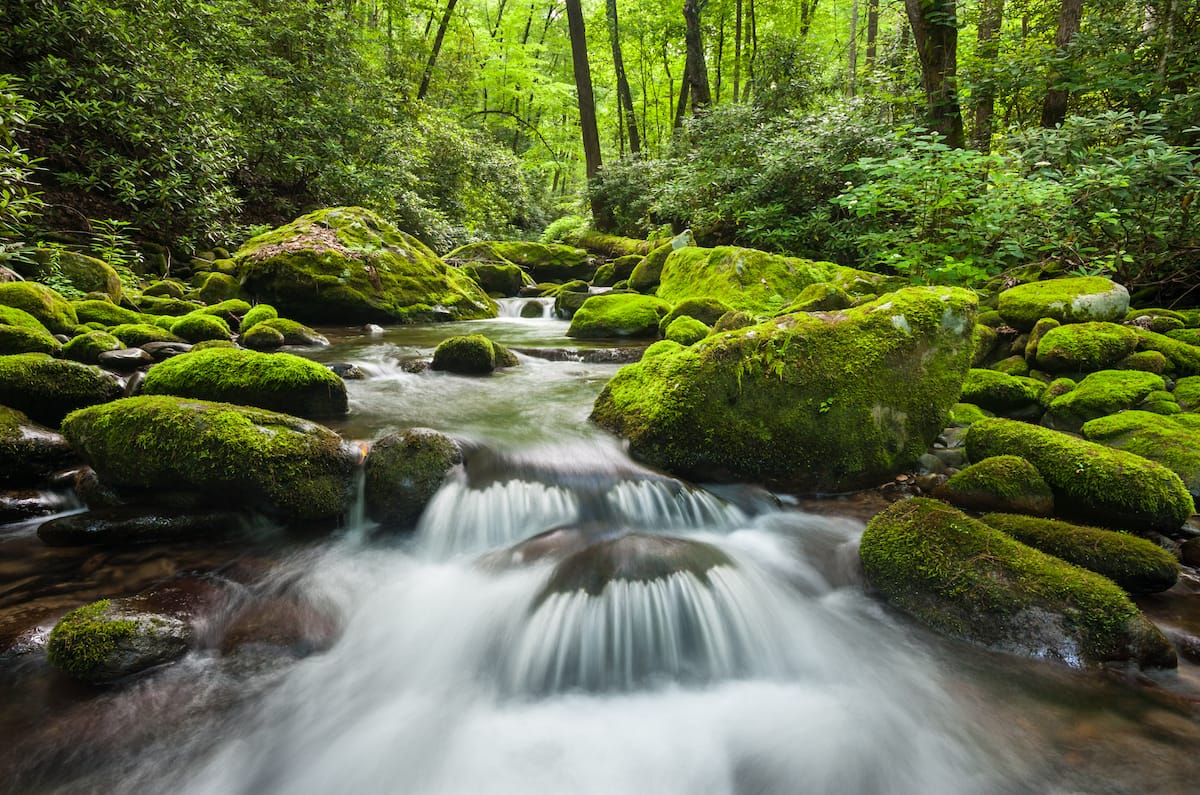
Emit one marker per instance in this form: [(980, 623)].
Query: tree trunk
[(852, 52), (935, 31), (808, 11), (684, 86), (737, 50), (1054, 109), (696, 71), (587, 102), (624, 96), (437, 48), (991, 16), (872, 33)]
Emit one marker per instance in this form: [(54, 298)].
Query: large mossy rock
[(968, 580), (109, 640), (403, 472), (1002, 393), (86, 274), (544, 262), (1184, 358), (471, 354), (1005, 483), (1091, 482), (288, 466), (646, 274), (1099, 395), (21, 332), (618, 315), (48, 389), (1135, 564), (51, 309), (1173, 443), (105, 313), (275, 381), (1075, 299), (28, 451), (1084, 347), (814, 403), (496, 279), (347, 265), (750, 280)]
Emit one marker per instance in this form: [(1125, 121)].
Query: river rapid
[(436, 663)]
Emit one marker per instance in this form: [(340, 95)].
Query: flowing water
[(452, 662)]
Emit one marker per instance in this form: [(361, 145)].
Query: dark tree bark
[(696, 72), (852, 52), (624, 96), (737, 50), (808, 11), (872, 33), (1054, 109), (684, 86), (587, 102), (935, 31), (437, 48), (991, 16)]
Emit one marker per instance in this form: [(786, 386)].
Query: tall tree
[(427, 75), (696, 70), (1054, 109), (991, 16), (852, 52), (587, 101), (935, 31), (624, 96), (872, 32), (737, 50)]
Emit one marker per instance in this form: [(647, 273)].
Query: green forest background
[(950, 142)]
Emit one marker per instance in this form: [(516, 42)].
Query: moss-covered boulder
[(820, 297), (274, 381), (86, 274), (1146, 361), (286, 465), (968, 580), (471, 354), (198, 327), (1137, 565), (750, 280), (497, 279), (618, 315), (403, 472), (286, 331), (686, 330), (1184, 358), (1187, 393), (257, 314), (87, 347), (1091, 482), (214, 287), (963, 415), (262, 338), (814, 403), (645, 276), (606, 244), (348, 265), (707, 310), (135, 334), (544, 262), (21, 332), (28, 451), (1174, 444), (171, 307), (1100, 394), (107, 641), (1076, 299), (1189, 335), (1002, 393), (51, 309), (567, 302), (1085, 347), (47, 389), (1006, 483), (106, 313), (166, 288)]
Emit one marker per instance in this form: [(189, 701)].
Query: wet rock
[(133, 386), (48, 389), (28, 503), (966, 579), (29, 452), (587, 355), (347, 371), (95, 493), (137, 525), (472, 354), (124, 360), (1005, 483), (554, 544), (404, 471), (415, 366), (618, 315), (290, 625), (109, 640), (1190, 552)]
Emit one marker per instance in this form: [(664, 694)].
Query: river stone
[(137, 525), (51, 309), (286, 465), (1005, 483), (107, 641), (1100, 394), (275, 381), (1075, 299), (1184, 358), (968, 580), (347, 265), (124, 360), (1084, 347), (471, 354), (806, 402), (47, 389), (1002, 393), (497, 279), (1091, 482), (162, 351), (645, 276), (29, 452), (403, 472), (544, 262)]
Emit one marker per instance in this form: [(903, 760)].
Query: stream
[(434, 663)]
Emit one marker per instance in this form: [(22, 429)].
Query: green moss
[(687, 330), (646, 275), (284, 464), (214, 287), (964, 414), (46, 389), (1000, 392), (707, 310), (21, 332), (968, 580), (1085, 347), (1187, 393), (106, 313), (1000, 483), (1105, 392), (229, 310), (661, 348), (166, 306), (51, 309), (991, 318), (608, 245), (1056, 389), (1191, 336), (733, 320), (1071, 300), (256, 315), (1184, 358), (820, 297), (472, 354), (293, 333), (348, 265), (87, 347), (1012, 365), (167, 288), (625, 315), (983, 340), (1153, 436), (1134, 314), (208, 345), (262, 338), (805, 401), (198, 327), (1135, 564), (494, 279), (1146, 361), (545, 262), (85, 637), (274, 381), (1091, 482), (135, 334), (402, 473), (82, 273)]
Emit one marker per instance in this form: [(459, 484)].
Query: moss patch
[(84, 639), (1085, 347), (256, 315), (51, 309), (47, 389), (645, 277), (1000, 392), (1155, 437), (1184, 358), (1000, 483), (624, 315), (1069, 300), (21, 332), (135, 334), (1099, 394), (198, 327), (686, 330), (404, 471), (87, 347)]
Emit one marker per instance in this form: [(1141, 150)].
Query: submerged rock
[(808, 402), (348, 265), (472, 354), (106, 641), (136, 525), (968, 580), (404, 471)]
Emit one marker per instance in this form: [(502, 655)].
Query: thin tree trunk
[(852, 52), (737, 50), (437, 48), (808, 10), (499, 18), (587, 102), (991, 16), (872, 33), (720, 60), (1054, 109), (752, 18), (696, 71), (624, 96), (935, 31), (684, 86)]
